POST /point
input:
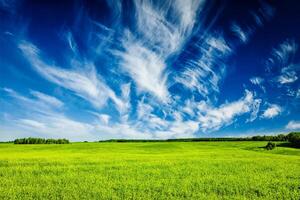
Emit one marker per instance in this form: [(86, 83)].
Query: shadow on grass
[(288, 144), (285, 144)]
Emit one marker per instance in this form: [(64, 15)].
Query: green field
[(156, 170)]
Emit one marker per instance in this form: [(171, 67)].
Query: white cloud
[(51, 123), (47, 99), (156, 38), (42, 119), (39, 117), (72, 44), (293, 125), (102, 118), (143, 110), (122, 130), (9, 91), (264, 13), (287, 76), (154, 123), (193, 80), (239, 32), (282, 69), (159, 31), (84, 81), (256, 80), (255, 110), (56, 125), (42, 104), (187, 12), (178, 129), (293, 92), (184, 128), (32, 123), (203, 73), (283, 55), (272, 111), (211, 118), (146, 68)]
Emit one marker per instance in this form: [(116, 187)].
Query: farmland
[(156, 170)]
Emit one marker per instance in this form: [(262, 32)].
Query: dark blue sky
[(89, 70)]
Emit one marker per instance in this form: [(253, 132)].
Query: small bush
[(270, 145)]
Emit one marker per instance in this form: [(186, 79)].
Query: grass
[(177, 170)]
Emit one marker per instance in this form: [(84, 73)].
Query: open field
[(175, 170)]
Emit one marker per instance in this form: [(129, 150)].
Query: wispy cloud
[(44, 120), (256, 80), (83, 81), (146, 68), (272, 111), (32, 124), (156, 38), (293, 125), (288, 75), (255, 110), (179, 129), (260, 16), (39, 116), (284, 54), (265, 13), (56, 125), (53, 101), (41, 102), (239, 32), (211, 118), (203, 73), (153, 71), (281, 67)]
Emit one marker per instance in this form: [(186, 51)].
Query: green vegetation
[(156, 170), (294, 138), (270, 146), (40, 141), (280, 137)]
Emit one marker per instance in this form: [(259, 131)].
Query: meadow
[(156, 170)]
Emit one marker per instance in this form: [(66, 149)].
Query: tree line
[(293, 137), (31, 140)]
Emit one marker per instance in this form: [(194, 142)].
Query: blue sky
[(90, 70)]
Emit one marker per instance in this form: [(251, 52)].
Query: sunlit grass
[(177, 170)]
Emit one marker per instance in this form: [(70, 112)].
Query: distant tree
[(281, 137), (31, 140), (294, 138)]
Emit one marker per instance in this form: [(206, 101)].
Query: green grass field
[(175, 170)]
